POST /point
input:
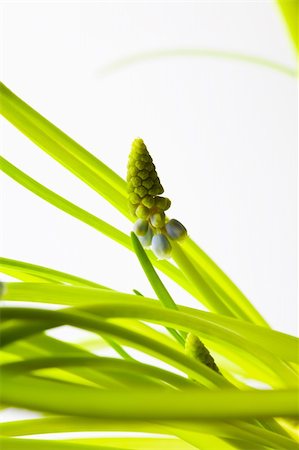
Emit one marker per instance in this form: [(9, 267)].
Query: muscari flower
[(175, 230), (146, 240), (152, 227), (196, 349), (140, 227), (161, 246)]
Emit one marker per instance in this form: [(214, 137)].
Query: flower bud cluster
[(195, 348), (152, 227)]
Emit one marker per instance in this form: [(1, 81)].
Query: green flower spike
[(197, 350), (142, 178), (147, 204)]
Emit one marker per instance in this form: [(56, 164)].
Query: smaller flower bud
[(197, 350), (148, 201), (146, 240), (132, 209), (161, 246), (136, 181), (162, 203), (142, 212), (175, 230), (143, 174), (138, 146), (158, 219), (134, 199), (140, 227), (140, 165), (141, 191), (148, 184), (157, 188)]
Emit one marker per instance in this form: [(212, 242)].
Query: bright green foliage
[(192, 403), (290, 11)]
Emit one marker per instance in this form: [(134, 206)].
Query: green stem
[(110, 365), (157, 285), (65, 424), (206, 295), (282, 345), (58, 145), (45, 273), (192, 404), (101, 327), (218, 277), (91, 220), (267, 366), (37, 444), (64, 205), (43, 346)]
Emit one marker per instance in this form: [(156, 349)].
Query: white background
[(223, 135)]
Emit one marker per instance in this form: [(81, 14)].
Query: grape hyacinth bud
[(142, 177), (148, 206), (161, 246), (197, 350), (140, 227), (146, 240), (175, 230), (142, 212), (162, 203), (158, 219)]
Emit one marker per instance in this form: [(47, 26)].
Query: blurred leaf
[(223, 55), (290, 12)]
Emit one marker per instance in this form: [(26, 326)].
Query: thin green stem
[(65, 424), (267, 366), (45, 273), (64, 205), (206, 295), (157, 285), (282, 345), (88, 322), (219, 278), (110, 365), (41, 346), (88, 218), (60, 146), (37, 444)]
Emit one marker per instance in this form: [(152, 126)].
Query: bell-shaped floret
[(175, 230), (162, 203), (158, 219), (161, 246), (140, 227), (146, 240)]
